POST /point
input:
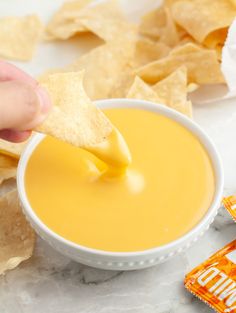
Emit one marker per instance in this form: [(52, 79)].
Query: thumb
[(22, 106)]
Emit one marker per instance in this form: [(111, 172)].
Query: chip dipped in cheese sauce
[(165, 192), (114, 152)]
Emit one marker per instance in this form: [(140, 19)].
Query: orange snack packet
[(214, 281), (230, 205)]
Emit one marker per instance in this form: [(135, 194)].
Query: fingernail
[(44, 99)]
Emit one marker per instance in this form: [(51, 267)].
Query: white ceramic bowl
[(126, 260)]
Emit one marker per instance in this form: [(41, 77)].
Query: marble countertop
[(52, 283)]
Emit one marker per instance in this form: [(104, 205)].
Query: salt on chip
[(173, 91), (159, 24), (12, 149), (107, 21), (17, 238), (103, 67), (202, 64), (19, 36), (73, 118), (8, 167), (63, 24), (202, 17), (148, 50)]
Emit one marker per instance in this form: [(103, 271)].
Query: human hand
[(23, 103)]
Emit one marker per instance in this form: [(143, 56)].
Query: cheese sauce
[(165, 192)]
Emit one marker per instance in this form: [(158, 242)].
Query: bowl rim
[(192, 126)]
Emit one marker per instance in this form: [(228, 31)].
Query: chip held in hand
[(73, 118)]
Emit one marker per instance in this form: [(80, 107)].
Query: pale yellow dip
[(165, 192)]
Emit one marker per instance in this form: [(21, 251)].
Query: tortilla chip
[(107, 21), (158, 24), (8, 166), (63, 24), (140, 90), (73, 118), (19, 36), (148, 50), (233, 2), (17, 238), (173, 91), (122, 84), (202, 17), (202, 64), (12, 149), (103, 67)]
